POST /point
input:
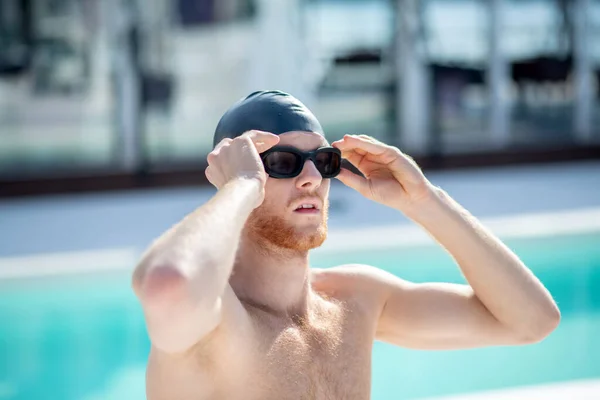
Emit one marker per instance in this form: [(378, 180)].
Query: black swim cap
[(270, 111)]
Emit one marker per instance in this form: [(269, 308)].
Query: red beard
[(277, 232)]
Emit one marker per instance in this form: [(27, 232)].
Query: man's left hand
[(391, 177)]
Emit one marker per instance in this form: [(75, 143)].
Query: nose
[(310, 177)]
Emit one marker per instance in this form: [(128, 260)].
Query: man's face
[(280, 219)]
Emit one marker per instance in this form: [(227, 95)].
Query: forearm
[(199, 252), (499, 279)]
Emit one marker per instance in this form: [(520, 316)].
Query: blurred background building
[(93, 88)]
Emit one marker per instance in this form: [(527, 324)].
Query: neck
[(274, 279)]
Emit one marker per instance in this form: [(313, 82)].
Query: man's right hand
[(239, 158)]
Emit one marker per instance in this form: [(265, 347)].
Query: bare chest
[(325, 361)]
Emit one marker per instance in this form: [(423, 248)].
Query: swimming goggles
[(287, 162)]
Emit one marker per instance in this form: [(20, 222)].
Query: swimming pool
[(83, 337)]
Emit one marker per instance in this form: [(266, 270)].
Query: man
[(234, 310)]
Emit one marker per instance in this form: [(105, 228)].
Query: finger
[(354, 181), (344, 141), (209, 175), (368, 145), (364, 162), (364, 143), (211, 157), (263, 141), (354, 158), (222, 143), (218, 148)]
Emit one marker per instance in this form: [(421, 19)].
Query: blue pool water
[(83, 338)]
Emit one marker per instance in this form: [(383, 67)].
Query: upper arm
[(177, 318), (432, 315)]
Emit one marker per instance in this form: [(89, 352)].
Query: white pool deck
[(573, 390)]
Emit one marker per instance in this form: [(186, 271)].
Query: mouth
[(307, 207)]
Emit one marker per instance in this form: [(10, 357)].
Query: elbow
[(165, 288), (161, 286), (541, 326), (176, 315)]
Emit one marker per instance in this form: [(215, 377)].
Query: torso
[(326, 357)]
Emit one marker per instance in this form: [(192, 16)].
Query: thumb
[(356, 182)]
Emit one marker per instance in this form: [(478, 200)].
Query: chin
[(287, 235), (311, 239)]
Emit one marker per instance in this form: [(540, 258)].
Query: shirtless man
[(234, 310)]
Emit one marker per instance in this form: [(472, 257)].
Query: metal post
[(497, 79), (126, 81), (279, 63), (412, 99), (584, 96)]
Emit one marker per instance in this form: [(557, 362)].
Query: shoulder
[(359, 282), (358, 274)]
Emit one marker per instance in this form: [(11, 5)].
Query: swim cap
[(270, 111)]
